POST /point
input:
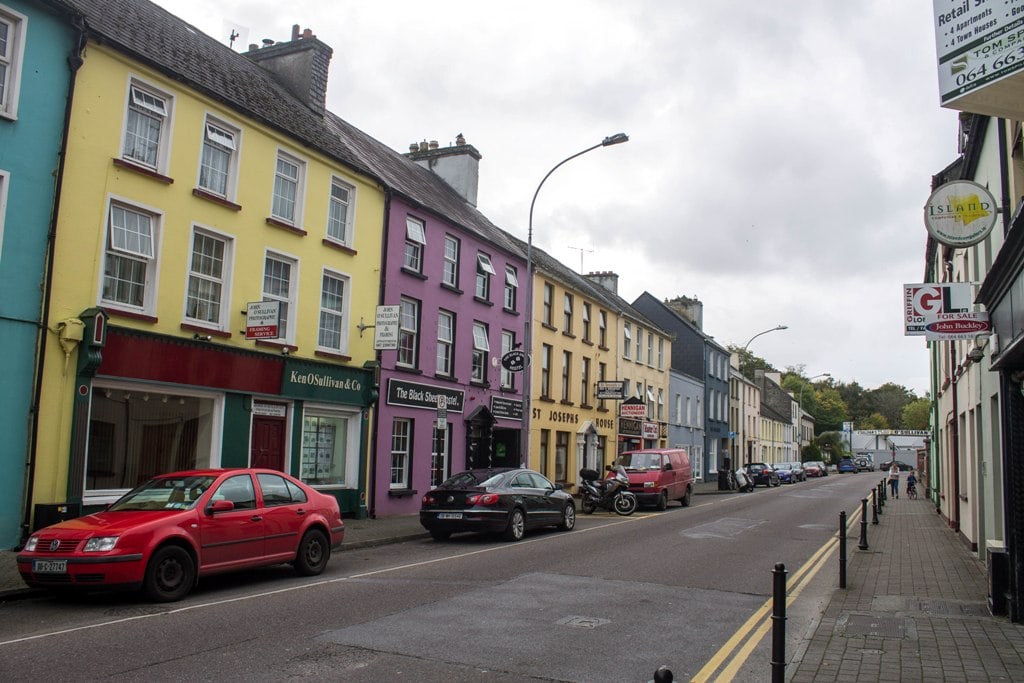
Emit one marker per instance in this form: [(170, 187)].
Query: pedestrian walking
[(894, 479)]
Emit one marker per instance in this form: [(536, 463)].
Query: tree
[(749, 362), (889, 401), (873, 421), (833, 446), (916, 414), (830, 410)]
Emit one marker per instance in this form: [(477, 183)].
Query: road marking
[(753, 631)]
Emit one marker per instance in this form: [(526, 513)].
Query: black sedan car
[(763, 474), (498, 500)]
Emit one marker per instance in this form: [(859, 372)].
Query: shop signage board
[(506, 408), (515, 360), (930, 302), (322, 382), (960, 213), (634, 408), (416, 395), (611, 389), (385, 330), (980, 50), (262, 319)]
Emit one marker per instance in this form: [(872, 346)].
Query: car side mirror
[(667, 466), (219, 506), (559, 487)]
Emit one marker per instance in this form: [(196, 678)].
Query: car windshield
[(165, 493), (640, 461)]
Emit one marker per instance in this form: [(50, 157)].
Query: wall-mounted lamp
[(977, 351), (285, 351), (202, 337)]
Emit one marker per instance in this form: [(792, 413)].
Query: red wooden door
[(268, 435)]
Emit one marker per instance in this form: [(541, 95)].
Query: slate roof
[(544, 261), (157, 38)]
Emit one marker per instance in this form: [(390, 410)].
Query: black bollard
[(663, 675), (874, 506), (842, 549), (880, 494), (779, 623), (885, 494), (863, 545)]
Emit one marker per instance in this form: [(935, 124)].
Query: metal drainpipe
[(371, 509), (74, 64)]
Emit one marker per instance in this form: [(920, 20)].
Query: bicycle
[(911, 492)]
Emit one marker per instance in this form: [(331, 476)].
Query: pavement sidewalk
[(915, 608)]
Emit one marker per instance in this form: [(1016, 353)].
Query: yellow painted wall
[(92, 178)]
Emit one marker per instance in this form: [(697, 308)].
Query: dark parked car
[(763, 474), (166, 534), (846, 465), (496, 500), (795, 469)]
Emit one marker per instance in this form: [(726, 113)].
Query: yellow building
[(578, 342), (217, 245)]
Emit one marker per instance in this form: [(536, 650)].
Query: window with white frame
[(549, 297), (288, 183), (661, 353), (661, 405), (567, 314), (627, 339), (332, 335), (481, 347), (484, 271), (415, 240), (146, 125), (440, 455), (450, 272), (584, 381), (566, 376), (650, 403), (650, 350), (511, 288), (408, 332), (12, 40), (638, 354), (401, 452), (279, 284), (130, 259), (445, 342), (602, 329), (545, 371), (602, 375), (508, 342), (218, 160), (340, 212), (208, 278), (586, 321)]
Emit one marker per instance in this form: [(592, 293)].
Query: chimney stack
[(458, 165), (691, 309), (606, 279), (300, 65)]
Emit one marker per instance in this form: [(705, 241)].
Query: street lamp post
[(528, 324), (800, 408), (743, 400)]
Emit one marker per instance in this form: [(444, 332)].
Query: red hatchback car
[(165, 534)]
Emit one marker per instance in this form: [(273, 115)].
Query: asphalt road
[(609, 601)]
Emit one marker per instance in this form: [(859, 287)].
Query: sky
[(779, 158)]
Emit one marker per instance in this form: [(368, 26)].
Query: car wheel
[(778, 482), (568, 517), (169, 575), (440, 534), (662, 501), (685, 500), (314, 551), (516, 526)]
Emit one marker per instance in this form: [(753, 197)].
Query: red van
[(658, 475)]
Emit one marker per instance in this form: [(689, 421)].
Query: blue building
[(37, 55), (699, 357)]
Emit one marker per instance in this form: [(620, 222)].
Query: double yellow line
[(727, 662)]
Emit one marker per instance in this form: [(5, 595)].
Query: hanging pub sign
[(960, 213)]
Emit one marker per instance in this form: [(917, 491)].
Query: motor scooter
[(610, 494), (744, 483)]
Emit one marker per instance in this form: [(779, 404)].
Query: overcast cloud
[(780, 152)]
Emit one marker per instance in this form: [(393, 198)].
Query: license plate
[(449, 515), (50, 566)]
